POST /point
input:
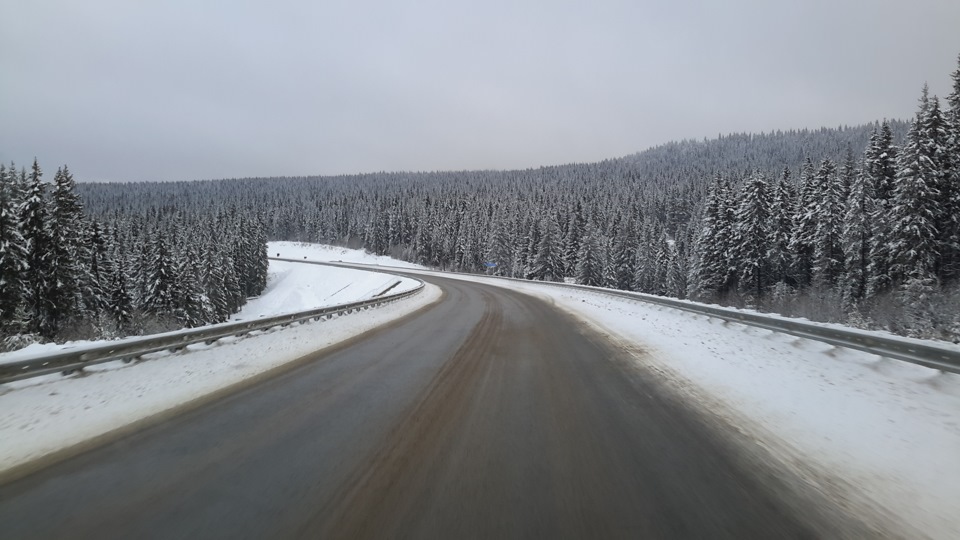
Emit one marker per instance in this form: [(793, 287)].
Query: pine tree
[(499, 250), (547, 264), (120, 303), (949, 222), (590, 259), (781, 229), (676, 285), (805, 226), (623, 258), (751, 238), (572, 240), (12, 251), (40, 308), (67, 243), (160, 285), (880, 170), (95, 271), (714, 273), (828, 215), (950, 197), (857, 234), (914, 214)]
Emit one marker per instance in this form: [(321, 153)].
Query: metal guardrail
[(929, 355), (68, 362)]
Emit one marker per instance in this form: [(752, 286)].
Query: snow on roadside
[(291, 287), (45, 414), (889, 430), (325, 253)]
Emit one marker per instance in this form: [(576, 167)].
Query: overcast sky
[(177, 90)]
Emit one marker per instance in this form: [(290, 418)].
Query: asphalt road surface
[(489, 415)]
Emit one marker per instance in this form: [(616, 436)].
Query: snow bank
[(45, 414), (291, 287), (325, 253)]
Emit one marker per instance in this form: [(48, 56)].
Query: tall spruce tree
[(751, 238), (714, 274), (41, 311), (858, 227), (12, 252), (590, 259), (828, 214), (950, 232), (805, 229), (914, 213), (67, 248), (781, 229)]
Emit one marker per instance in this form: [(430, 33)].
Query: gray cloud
[(181, 89)]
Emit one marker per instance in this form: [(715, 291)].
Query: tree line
[(65, 275), (876, 237), (798, 222)]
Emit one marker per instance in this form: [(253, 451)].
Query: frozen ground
[(45, 414)]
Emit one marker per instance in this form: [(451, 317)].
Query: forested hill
[(667, 180), (859, 225), (741, 153)]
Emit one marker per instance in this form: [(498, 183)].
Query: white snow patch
[(325, 253), (45, 414), (291, 287)]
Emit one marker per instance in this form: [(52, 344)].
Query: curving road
[(488, 415)]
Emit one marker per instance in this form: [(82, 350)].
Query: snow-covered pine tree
[(499, 248), (94, 271), (160, 286), (623, 257), (676, 285), (68, 249), (120, 302), (751, 239), (590, 258), (857, 235), (805, 226), (781, 229), (714, 276), (880, 169), (828, 214), (12, 252), (572, 240), (547, 264), (41, 312), (950, 233), (914, 213), (191, 304)]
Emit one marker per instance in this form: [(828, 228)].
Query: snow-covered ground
[(291, 287), (321, 252), (45, 414)]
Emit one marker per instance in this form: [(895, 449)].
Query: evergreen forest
[(856, 225)]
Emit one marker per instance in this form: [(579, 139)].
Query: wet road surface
[(489, 415)]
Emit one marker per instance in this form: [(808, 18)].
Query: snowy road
[(491, 414)]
